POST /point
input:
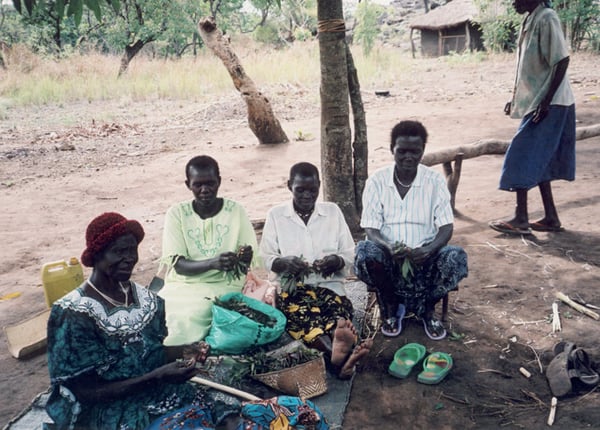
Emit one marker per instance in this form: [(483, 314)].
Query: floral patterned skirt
[(312, 311), (429, 283)]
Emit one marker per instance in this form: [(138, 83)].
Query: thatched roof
[(451, 14)]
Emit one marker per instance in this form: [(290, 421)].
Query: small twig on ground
[(527, 322), (528, 242), (490, 286), (583, 396), (454, 399), (537, 357), (504, 375), (534, 397), (509, 252)]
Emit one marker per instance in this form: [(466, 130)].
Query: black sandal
[(432, 326)]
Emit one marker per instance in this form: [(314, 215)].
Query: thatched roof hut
[(448, 28)]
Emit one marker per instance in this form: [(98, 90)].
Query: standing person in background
[(543, 150), (204, 240), (408, 220)]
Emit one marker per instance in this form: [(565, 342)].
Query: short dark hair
[(304, 169), (202, 162), (408, 128)]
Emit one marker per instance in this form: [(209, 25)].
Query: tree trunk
[(336, 149), (261, 119), (130, 52), (360, 144)]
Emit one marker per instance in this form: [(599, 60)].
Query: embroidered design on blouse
[(119, 321)]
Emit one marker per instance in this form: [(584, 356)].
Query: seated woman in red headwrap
[(108, 366)]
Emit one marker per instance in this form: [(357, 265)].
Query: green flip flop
[(405, 359), (435, 368)]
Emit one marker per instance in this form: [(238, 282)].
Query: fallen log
[(484, 147), (491, 147)]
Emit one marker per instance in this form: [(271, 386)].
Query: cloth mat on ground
[(332, 404)]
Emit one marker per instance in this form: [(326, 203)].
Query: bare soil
[(60, 166)]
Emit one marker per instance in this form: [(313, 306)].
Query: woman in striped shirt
[(408, 220)]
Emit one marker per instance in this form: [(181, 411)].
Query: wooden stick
[(556, 326), (524, 372), (224, 388), (552, 411), (527, 322), (564, 298)]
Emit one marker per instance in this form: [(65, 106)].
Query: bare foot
[(359, 352), (344, 337)]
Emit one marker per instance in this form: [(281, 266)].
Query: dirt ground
[(60, 166)]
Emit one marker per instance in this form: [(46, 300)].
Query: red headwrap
[(105, 229)]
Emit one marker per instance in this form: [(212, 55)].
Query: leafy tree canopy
[(69, 7)]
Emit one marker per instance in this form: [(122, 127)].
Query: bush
[(267, 34), (499, 24), (367, 29)]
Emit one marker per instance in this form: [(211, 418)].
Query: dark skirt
[(428, 284), (312, 311), (541, 152)]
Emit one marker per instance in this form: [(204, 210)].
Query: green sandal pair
[(435, 367)]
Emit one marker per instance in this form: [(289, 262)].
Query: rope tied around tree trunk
[(331, 26)]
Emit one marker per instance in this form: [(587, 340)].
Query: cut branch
[(566, 299), (261, 119)]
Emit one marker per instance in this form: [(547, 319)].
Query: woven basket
[(305, 380)]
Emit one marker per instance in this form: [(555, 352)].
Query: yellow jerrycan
[(61, 277)]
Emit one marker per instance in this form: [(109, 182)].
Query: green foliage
[(367, 29), (294, 20), (464, 57), (581, 21), (267, 34), (499, 24), (302, 34)]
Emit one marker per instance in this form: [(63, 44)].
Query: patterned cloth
[(284, 413), (277, 413), (430, 282), (121, 343), (313, 311), (541, 46), (189, 298), (413, 220)]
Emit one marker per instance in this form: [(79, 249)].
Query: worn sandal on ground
[(435, 368), (392, 327), (539, 226), (507, 228), (582, 368), (405, 359), (434, 329), (559, 371)]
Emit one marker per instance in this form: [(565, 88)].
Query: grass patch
[(33, 80)]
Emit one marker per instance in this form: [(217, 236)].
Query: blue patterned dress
[(116, 344)]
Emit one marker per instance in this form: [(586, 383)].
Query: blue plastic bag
[(234, 333)]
